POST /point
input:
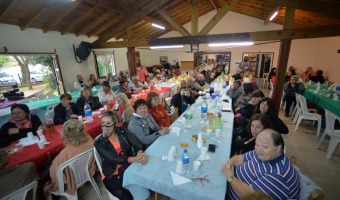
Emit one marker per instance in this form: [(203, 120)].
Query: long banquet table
[(40, 157), (155, 174)]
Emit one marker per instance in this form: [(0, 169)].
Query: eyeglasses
[(16, 113), (155, 99), (106, 125)]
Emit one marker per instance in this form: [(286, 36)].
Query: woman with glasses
[(117, 149), (19, 124), (87, 97), (143, 125), (157, 110), (267, 107)]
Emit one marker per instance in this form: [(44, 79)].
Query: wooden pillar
[(131, 56), (283, 58)]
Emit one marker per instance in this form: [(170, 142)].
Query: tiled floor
[(301, 144)]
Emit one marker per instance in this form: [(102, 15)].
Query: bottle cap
[(185, 150)]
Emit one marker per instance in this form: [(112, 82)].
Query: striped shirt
[(277, 177)]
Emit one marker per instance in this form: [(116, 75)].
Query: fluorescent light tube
[(231, 44), (274, 15), (166, 47), (158, 26)]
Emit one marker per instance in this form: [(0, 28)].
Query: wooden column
[(131, 56), (283, 58), (194, 17)]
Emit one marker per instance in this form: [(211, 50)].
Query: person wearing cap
[(19, 124), (290, 88), (105, 93)]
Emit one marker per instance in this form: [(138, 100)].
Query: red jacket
[(160, 115)]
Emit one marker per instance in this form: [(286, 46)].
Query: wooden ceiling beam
[(194, 17), (104, 26), (322, 7), (62, 15), (306, 33), (8, 5), (271, 13), (78, 20), (131, 20), (173, 22), (30, 19), (94, 23), (159, 22), (101, 4), (218, 16), (214, 4)]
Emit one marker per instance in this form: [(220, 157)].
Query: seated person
[(248, 110), (253, 81), (105, 93), (79, 84), (235, 90), (123, 87), (93, 81), (157, 78), (308, 73), (114, 147), (244, 99), (143, 125), (15, 177), (318, 78), (157, 110), (148, 82), (135, 85), (169, 75), (19, 124), (239, 75), (182, 99), (210, 78), (76, 142), (65, 110), (274, 174), (200, 84), (267, 106), (289, 73), (246, 141), (87, 97), (290, 88), (190, 84), (125, 110), (111, 78)]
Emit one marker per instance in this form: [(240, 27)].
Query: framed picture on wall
[(163, 58)]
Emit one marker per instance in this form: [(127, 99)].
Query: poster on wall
[(161, 58)]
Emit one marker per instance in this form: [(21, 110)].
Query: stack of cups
[(179, 167), (172, 153)]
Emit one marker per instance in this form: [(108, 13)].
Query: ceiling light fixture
[(231, 44), (166, 47), (157, 26), (274, 15)]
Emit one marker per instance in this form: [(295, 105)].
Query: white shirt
[(103, 98)]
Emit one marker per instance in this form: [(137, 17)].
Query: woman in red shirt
[(157, 110)]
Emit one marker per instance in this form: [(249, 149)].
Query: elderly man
[(79, 84), (265, 169), (200, 84), (105, 93), (135, 85), (235, 91), (290, 88)]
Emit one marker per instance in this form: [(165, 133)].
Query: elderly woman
[(267, 106), (273, 174), (65, 110), (256, 125), (117, 149), (105, 93), (157, 110), (243, 100), (76, 141), (143, 125), (182, 99), (79, 84), (20, 123), (290, 88), (123, 87), (93, 80), (125, 110), (87, 97)]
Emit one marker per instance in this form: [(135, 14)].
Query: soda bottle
[(185, 160), (218, 118), (88, 113), (204, 109), (188, 114)]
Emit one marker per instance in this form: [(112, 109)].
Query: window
[(105, 63)]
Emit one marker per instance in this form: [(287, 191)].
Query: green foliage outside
[(3, 60), (101, 68)]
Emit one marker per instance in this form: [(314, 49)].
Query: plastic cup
[(218, 132), (40, 132), (178, 131), (105, 107), (30, 136), (42, 138), (80, 118), (179, 167), (171, 156), (41, 145), (197, 165), (204, 152)]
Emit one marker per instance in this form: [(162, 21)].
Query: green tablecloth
[(324, 102), (42, 104)]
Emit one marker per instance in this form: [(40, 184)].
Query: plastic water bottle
[(204, 109), (188, 114), (88, 113), (185, 160)]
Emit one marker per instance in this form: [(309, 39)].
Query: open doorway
[(260, 62)]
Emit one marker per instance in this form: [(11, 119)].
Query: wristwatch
[(230, 178)]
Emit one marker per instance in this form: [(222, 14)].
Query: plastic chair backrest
[(50, 107), (22, 192), (49, 114), (265, 75), (79, 166), (330, 120), (303, 104), (161, 98)]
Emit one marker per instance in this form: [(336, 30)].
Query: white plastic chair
[(329, 130), (51, 107), (168, 101), (297, 109), (161, 98), (49, 114), (264, 80), (22, 192), (79, 166), (271, 89), (305, 114), (99, 165)]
